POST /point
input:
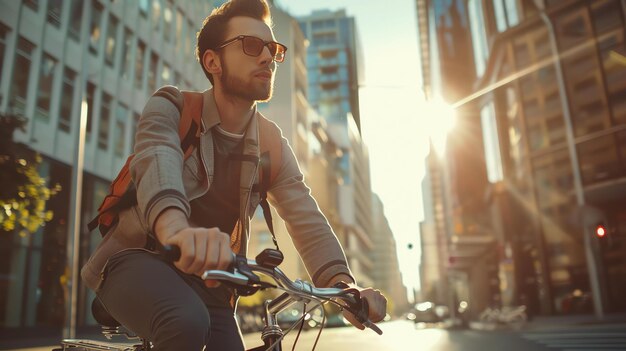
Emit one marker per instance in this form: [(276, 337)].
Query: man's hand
[(201, 249), (376, 302)]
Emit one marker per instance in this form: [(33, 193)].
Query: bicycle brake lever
[(361, 313)]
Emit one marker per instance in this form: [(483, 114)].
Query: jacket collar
[(211, 118)]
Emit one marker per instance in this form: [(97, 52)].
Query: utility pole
[(73, 239), (592, 267)]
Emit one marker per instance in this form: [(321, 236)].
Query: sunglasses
[(253, 46)]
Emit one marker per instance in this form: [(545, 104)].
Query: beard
[(247, 90)]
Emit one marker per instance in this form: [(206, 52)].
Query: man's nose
[(266, 56)]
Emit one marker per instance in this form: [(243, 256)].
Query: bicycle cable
[(285, 332), (304, 312)]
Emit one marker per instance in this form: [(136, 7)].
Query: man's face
[(244, 76)]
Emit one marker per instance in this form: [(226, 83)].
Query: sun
[(441, 120)]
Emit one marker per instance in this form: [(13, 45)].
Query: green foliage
[(24, 192)]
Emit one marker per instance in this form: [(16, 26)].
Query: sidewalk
[(554, 322)]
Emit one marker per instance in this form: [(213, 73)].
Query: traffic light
[(604, 236), (601, 231)]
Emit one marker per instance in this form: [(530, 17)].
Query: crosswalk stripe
[(573, 335), (578, 341)]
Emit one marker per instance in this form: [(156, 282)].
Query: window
[(46, 80), (152, 72), (109, 45), (188, 38), (553, 177), (91, 93), (96, 28), (127, 54), (105, 117), (156, 14), (168, 18), (177, 79), (121, 114), (572, 29), (21, 73), (76, 15), (512, 13), (613, 50), (166, 74), (3, 42), (324, 38), (479, 35), (599, 160), (67, 100), (180, 29), (54, 12), (500, 15), (492, 145), (139, 57), (144, 5), (606, 15), (32, 4)]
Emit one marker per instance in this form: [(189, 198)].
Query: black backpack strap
[(265, 184)]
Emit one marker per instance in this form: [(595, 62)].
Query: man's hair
[(211, 35)]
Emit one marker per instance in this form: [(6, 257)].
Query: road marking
[(579, 340)]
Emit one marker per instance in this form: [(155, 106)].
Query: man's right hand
[(201, 249)]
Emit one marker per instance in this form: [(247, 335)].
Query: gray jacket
[(164, 179)]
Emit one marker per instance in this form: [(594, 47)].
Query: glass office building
[(557, 143), (53, 55)]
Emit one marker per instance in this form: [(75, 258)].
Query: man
[(203, 203)]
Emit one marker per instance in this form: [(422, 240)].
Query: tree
[(24, 192)]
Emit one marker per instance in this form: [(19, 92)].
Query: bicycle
[(242, 275), (514, 317)]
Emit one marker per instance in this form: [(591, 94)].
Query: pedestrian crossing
[(579, 339)]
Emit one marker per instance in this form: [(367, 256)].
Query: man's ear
[(211, 62)]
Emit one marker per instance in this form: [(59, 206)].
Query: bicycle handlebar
[(242, 271)]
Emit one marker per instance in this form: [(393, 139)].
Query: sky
[(393, 127)]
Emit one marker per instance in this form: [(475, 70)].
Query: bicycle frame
[(242, 275)]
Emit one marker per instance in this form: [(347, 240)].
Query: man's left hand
[(376, 302)]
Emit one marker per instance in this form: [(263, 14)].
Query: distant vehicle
[(426, 312)]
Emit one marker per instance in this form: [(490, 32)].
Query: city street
[(402, 335)]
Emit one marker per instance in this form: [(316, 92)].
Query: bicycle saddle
[(102, 316)]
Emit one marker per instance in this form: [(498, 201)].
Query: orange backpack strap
[(122, 192), (190, 125)]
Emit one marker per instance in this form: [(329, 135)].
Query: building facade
[(458, 260), (55, 54), (334, 65), (547, 96), (554, 114), (386, 271)]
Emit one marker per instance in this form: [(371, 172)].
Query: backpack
[(122, 191)]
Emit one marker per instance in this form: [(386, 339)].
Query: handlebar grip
[(364, 318), (171, 252)]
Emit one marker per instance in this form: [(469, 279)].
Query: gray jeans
[(156, 301)]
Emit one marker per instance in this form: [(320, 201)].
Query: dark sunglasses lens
[(277, 51), (252, 46)]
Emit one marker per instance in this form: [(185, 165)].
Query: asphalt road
[(403, 335)]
